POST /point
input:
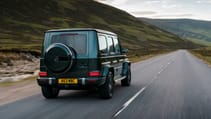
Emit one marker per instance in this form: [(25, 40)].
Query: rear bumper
[(83, 83)]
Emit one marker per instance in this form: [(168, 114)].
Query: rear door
[(78, 41)]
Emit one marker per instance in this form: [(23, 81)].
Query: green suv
[(82, 59)]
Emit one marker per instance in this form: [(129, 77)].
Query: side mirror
[(124, 50)]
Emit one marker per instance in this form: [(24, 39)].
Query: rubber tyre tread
[(127, 80), (106, 90), (49, 92)]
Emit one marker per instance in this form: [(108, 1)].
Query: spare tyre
[(59, 58)]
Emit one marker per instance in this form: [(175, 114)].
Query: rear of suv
[(83, 58)]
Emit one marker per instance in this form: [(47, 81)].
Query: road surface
[(172, 86)]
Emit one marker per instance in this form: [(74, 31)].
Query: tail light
[(94, 73), (43, 74)]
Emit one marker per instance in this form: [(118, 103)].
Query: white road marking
[(126, 104), (129, 101), (155, 77)]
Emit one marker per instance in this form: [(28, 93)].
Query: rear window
[(75, 40)]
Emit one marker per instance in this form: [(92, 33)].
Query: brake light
[(94, 73), (43, 74)]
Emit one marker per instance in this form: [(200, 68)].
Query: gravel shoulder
[(19, 90)]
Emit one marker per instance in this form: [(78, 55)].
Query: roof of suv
[(82, 29)]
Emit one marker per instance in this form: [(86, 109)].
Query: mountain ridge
[(23, 24), (198, 31)]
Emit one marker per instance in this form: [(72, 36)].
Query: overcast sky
[(194, 9)]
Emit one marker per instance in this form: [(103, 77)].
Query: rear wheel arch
[(106, 70), (125, 67)]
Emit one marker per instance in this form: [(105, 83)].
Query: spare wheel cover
[(59, 58)]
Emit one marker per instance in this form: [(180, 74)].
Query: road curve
[(172, 86)]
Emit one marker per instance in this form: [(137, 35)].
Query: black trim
[(113, 56), (44, 81), (82, 29)]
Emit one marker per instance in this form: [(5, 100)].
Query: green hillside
[(23, 22), (195, 30)]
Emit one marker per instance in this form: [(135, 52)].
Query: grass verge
[(145, 54), (26, 80), (204, 54)]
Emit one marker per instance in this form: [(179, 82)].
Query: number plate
[(68, 81)]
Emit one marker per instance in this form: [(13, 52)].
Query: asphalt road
[(172, 86)]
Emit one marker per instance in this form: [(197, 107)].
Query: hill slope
[(195, 30), (23, 23)]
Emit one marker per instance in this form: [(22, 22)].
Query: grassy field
[(23, 24), (195, 30), (136, 56)]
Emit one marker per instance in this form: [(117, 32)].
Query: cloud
[(171, 6), (105, 1), (138, 13), (174, 16), (164, 8), (203, 1), (153, 1)]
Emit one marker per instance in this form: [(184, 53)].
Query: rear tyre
[(127, 80), (49, 92), (106, 90)]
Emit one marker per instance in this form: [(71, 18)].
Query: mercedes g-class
[(82, 58)]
